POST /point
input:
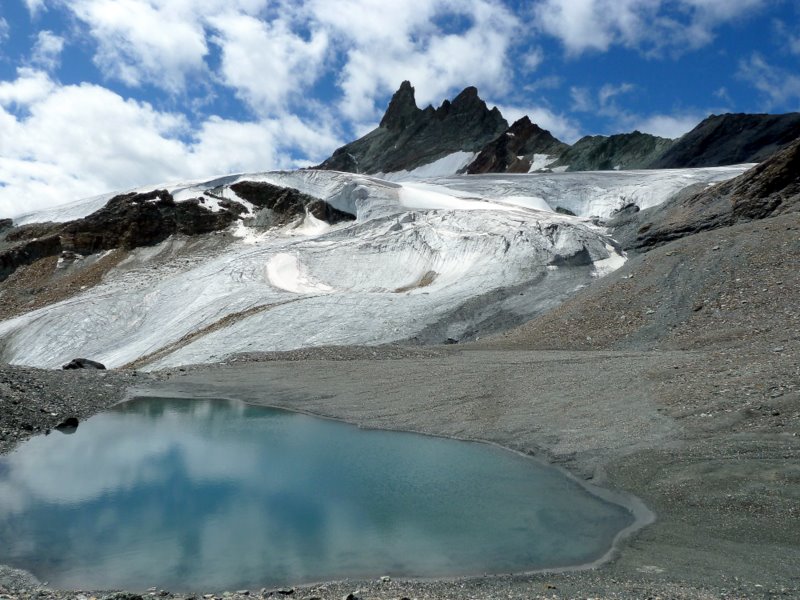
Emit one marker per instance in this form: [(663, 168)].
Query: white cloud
[(533, 59), (275, 51), (779, 88), (4, 30), (610, 91), (669, 126), (265, 61), (47, 50), (138, 41), (80, 140), (30, 86), (789, 37), (651, 25), (384, 43)]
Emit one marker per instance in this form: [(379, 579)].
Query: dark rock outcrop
[(731, 139), (408, 136), (68, 425), (133, 220), (623, 151), (83, 363), (26, 253), (282, 205), (513, 150), (768, 189)]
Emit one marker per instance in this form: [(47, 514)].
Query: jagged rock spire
[(402, 108)]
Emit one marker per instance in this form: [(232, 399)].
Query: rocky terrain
[(731, 139), (134, 220), (409, 138)]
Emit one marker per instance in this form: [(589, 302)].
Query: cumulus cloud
[(30, 87), (139, 41), (650, 25), (385, 43), (265, 61), (47, 50), (66, 142), (272, 51)]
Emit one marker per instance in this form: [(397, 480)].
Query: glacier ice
[(456, 256)]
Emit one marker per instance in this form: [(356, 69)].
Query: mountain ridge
[(409, 137)]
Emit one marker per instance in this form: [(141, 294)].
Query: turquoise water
[(213, 495)]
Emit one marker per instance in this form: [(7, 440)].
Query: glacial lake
[(221, 495)]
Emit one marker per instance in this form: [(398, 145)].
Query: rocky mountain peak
[(409, 136), (402, 110)]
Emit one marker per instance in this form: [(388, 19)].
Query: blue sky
[(102, 95)]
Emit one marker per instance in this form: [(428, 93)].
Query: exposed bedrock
[(280, 205), (768, 189), (135, 220)]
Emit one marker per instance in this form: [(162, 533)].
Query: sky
[(104, 95)]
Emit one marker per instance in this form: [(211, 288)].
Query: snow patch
[(286, 272), (448, 165), (540, 161), (608, 265), (431, 197)]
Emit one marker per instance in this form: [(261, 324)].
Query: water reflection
[(189, 494)]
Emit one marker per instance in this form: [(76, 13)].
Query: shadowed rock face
[(731, 139), (513, 150), (769, 189), (624, 151), (408, 136)]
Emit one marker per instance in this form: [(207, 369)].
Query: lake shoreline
[(628, 421)]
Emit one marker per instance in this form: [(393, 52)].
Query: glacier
[(426, 260)]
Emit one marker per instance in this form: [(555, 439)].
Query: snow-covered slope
[(457, 257)]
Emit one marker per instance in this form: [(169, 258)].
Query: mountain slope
[(623, 151), (408, 136), (717, 269), (731, 139), (465, 136), (768, 189)]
